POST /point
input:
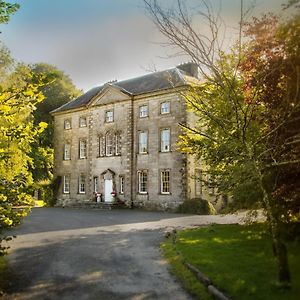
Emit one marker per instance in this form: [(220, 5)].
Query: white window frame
[(122, 184), (143, 111), (109, 116), (66, 184), (81, 184), (109, 144), (82, 122), (165, 107), (142, 182), (67, 124), (162, 181), (82, 148), (95, 183), (165, 140), (67, 151), (143, 142), (117, 144)]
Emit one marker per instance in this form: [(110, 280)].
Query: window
[(67, 152), (66, 184), (122, 184), (82, 122), (165, 182), (81, 185), (118, 143), (165, 108), (142, 182), (82, 149), (101, 144), (109, 116), (143, 142), (165, 140), (109, 144), (143, 111), (95, 181), (67, 124), (198, 182)]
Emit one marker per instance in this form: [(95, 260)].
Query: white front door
[(108, 187)]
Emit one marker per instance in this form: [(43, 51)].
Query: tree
[(232, 134), (17, 132)]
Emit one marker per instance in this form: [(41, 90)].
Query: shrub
[(197, 206)]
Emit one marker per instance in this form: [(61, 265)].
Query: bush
[(196, 206)]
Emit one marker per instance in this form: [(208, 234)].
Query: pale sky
[(95, 41)]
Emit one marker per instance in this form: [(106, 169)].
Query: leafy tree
[(242, 117)]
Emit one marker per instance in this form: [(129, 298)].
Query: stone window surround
[(82, 121), (82, 148), (67, 124)]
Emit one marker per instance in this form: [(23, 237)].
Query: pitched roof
[(152, 82)]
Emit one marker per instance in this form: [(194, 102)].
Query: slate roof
[(152, 82)]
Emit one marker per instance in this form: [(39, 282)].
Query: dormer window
[(109, 116), (165, 108), (82, 122), (67, 124)]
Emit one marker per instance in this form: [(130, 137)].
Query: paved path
[(88, 254)]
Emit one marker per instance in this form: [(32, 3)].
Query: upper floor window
[(143, 111), (82, 149), (143, 142), (67, 124), (81, 184), (67, 151), (142, 182), (165, 108), (165, 182), (118, 143), (82, 122), (66, 184), (109, 144), (165, 140), (109, 116)]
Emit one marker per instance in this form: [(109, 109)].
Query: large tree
[(235, 135)]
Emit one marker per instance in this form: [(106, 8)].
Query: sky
[(96, 41)]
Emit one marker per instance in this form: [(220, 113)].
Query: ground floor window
[(142, 182), (66, 184), (95, 181), (165, 182), (122, 183), (81, 184)]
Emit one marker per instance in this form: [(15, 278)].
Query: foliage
[(6, 10), (232, 256), (197, 206), (247, 108)]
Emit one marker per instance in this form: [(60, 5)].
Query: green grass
[(238, 259)]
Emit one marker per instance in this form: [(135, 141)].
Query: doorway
[(108, 188)]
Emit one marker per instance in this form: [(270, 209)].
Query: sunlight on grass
[(238, 259)]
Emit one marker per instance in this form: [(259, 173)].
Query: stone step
[(96, 205)]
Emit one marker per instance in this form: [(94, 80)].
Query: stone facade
[(120, 141)]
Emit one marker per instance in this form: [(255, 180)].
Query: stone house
[(120, 140)]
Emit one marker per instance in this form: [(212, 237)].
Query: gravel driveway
[(89, 254)]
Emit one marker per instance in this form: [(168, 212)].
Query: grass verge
[(238, 259)]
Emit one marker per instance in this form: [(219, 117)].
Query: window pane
[(143, 142), (109, 144), (165, 140), (82, 184), (67, 124), (109, 116), (82, 122), (142, 181), (118, 143), (66, 184), (82, 149), (122, 182), (67, 152), (165, 182), (165, 108), (143, 111)]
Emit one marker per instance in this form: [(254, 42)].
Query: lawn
[(238, 259)]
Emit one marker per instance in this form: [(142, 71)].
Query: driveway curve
[(92, 254)]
